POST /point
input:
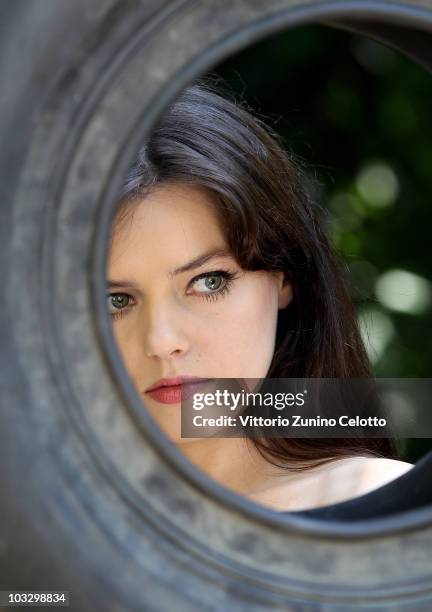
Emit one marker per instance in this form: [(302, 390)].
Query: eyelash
[(229, 277)]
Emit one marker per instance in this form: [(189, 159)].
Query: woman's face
[(180, 303)]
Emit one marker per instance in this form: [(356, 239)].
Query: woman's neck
[(234, 463)]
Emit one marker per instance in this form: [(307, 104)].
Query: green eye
[(212, 285), (213, 282), (119, 300), (118, 304)]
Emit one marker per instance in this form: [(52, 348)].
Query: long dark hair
[(270, 222)]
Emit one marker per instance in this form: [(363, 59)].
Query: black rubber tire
[(94, 500)]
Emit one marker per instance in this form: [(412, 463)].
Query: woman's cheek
[(253, 324), (129, 350)]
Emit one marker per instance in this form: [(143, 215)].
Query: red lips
[(173, 390)]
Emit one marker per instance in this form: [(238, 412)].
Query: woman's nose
[(165, 334)]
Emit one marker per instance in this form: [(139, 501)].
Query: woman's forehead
[(172, 224), (167, 205)]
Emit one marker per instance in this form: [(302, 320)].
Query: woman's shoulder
[(333, 482), (377, 471), (354, 476)]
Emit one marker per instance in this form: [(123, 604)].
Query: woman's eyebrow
[(190, 265), (201, 260), (121, 283)]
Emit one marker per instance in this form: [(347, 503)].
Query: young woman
[(219, 268)]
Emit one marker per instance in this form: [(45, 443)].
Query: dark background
[(359, 115)]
